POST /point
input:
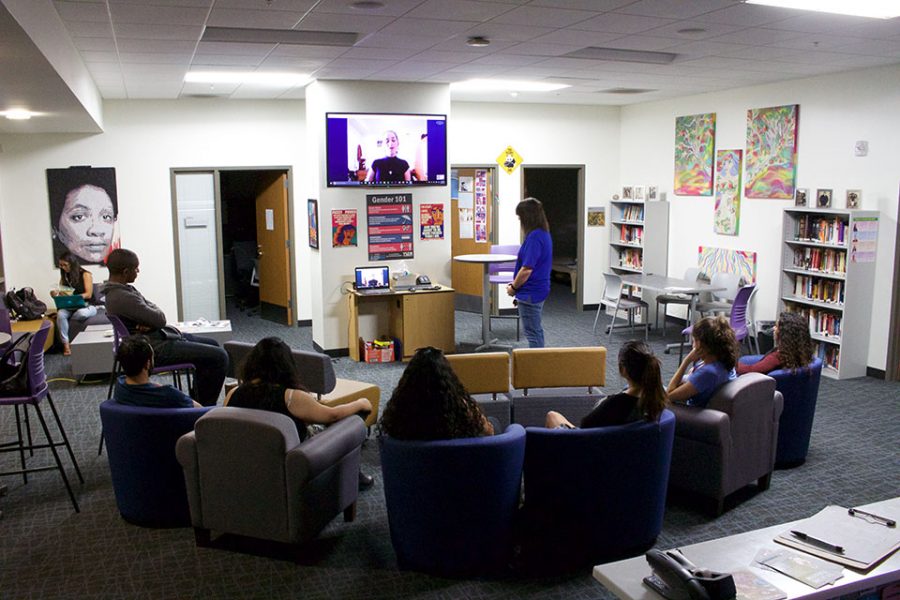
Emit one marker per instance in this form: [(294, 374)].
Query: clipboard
[(864, 542)]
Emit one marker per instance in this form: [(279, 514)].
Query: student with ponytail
[(644, 398)]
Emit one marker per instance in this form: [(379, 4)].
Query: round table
[(485, 260)]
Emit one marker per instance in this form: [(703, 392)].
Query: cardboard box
[(372, 352)]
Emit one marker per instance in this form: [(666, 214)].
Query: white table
[(625, 577), (486, 260), (4, 337)]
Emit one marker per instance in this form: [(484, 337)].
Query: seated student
[(269, 381), (644, 398), (169, 345), (430, 403), (135, 388), (794, 348), (709, 364)]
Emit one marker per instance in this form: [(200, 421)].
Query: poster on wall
[(344, 228), (864, 240), (596, 216), (771, 170), (390, 225), (312, 212), (466, 223), (84, 213), (727, 218), (481, 206), (695, 140), (431, 221)]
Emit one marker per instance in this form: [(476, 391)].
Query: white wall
[(143, 140), (544, 134), (835, 111)]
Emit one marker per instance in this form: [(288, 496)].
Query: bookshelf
[(828, 274)]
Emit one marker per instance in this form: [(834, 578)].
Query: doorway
[(254, 261), (561, 190)]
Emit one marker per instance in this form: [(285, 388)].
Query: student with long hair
[(709, 364), (794, 348), (431, 403), (531, 284), (644, 398), (270, 381), (73, 275)]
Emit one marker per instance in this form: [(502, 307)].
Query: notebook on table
[(69, 302), (372, 280)]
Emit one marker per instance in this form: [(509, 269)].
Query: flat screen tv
[(385, 150)]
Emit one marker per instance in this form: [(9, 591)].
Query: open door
[(466, 278), (273, 244)]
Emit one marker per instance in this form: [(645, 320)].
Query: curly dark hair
[(270, 362), (431, 403), (716, 337), (795, 346)]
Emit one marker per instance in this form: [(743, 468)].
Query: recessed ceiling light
[(367, 5), (691, 30), (478, 42), (18, 114), (252, 77), (876, 9), (505, 85)]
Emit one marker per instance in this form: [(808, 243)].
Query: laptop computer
[(69, 302), (372, 280)]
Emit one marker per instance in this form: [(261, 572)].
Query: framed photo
[(312, 210), (638, 192), (823, 198), (652, 192), (627, 193), (801, 197), (854, 198)]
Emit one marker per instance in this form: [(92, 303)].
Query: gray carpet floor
[(48, 551)]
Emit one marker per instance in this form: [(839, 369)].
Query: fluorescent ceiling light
[(267, 78), (876, 9), (18, 114), (505, 85)]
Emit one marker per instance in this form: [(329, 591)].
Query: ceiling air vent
[(279, 36), (620, 55)]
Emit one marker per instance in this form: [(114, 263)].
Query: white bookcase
[(828, 274), (639, 240)]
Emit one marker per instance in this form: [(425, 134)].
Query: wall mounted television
[(385, 150)]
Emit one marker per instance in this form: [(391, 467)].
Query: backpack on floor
[(24, 305)]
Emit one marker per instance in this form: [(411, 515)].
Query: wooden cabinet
[(416, 319)]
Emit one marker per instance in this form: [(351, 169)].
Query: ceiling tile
[(356, 23), (818, 23), (458, 44), (871, 47), (300, 65), (449, 57), (594, 5), (536, 49), (384, 40), (89, 28), (161, 46), (394, 8), (275, 19), (296, 51), (380, 53), (190, 3), (552, 17), (230, 60), (441, 30), (709, 30), (82, 11), (756, 36), (578, 37), (641, 42), (459, 10), (107, 44), (157, 15), (91, 56), (154, 58), (507, 60), (622, 24), (266, 5), (675, 9), (747, 15), (198, 89), (235, 48), (154, 91)]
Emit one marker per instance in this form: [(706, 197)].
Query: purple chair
[(738, 318), (5, 327), (502, 273), (37, 391)]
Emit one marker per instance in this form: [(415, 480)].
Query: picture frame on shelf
[(801, 197), (638, 192), (652, 193), (823, 198), (627, 193), (854, 199)]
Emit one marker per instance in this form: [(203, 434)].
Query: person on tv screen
[(390, 168)]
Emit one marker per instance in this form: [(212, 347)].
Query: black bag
[(14, 368), (24, 305)]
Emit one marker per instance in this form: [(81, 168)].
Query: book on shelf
[(632, 259), (820, 229), (629, 234), (830, 355), (823, 260), (821, 322), (818, 289), (633, 213)]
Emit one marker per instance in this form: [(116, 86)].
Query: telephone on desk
[(676, 578)]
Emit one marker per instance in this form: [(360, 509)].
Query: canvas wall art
[(771, 169), (695, 140), (83, 213), (723, 260), (727, 219)]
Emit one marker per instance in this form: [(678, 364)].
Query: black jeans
[(205, 354)]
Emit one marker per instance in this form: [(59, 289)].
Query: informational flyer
[(481, 206), (466, 226), (864, 240), (344, 228), (390, 224), (431, 221)]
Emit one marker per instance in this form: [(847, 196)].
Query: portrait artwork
[(823, 198), (83, 213), (801, 197), (854, 198)]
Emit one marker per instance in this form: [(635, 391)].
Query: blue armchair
[(147, 479), (451, 504), (800, 390), (594, 495)]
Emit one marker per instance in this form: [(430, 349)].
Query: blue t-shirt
[(150, 395), (536, 253), (707, 379)]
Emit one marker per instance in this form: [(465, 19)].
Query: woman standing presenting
[(531, 285)]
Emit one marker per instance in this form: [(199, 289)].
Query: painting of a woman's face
[(87, 223)]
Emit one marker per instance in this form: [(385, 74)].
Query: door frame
[(581, 224), (217, 187), (892, 367)]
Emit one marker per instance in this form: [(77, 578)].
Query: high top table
[(486, 260)]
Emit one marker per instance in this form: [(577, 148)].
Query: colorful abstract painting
[(771, 152), (727, 219), (723, 260), (695, 140)]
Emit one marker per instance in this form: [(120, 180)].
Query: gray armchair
[(730, 443), (247, 473)]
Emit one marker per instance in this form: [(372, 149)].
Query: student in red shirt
[(794, 348)]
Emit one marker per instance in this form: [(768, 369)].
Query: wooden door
[(274, 251), (466, 278)]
